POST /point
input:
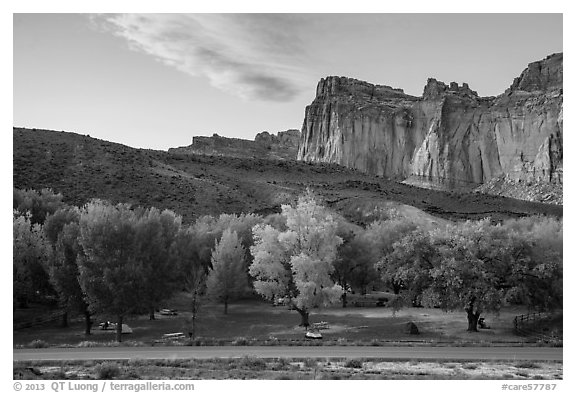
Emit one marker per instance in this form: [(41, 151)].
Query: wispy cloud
[(254, 56)]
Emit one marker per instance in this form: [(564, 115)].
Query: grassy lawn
[(259, 320)]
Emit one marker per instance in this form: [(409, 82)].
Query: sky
[(156, 80)]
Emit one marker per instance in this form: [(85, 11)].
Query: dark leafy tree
[(155, 232), (354, 267), (192, 251), (381, 235), (537, 277), (111, 274), (64, 273)]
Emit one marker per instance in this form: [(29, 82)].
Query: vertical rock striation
[(450, 138)]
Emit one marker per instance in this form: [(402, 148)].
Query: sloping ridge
[(193, 185)]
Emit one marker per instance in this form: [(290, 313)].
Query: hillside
[(81, 168)]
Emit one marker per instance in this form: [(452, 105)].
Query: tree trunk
[(88, 322), (65, 319), (152, 316), (195, 309), (304, 321), (119, 329), (473, 321), (473, 316), (344, 300), (396, 287)]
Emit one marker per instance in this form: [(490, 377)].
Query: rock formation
[(450, 138), (283, 146)]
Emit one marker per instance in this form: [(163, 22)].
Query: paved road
[(393, 353)]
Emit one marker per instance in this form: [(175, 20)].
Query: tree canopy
[(227, 280), (297, 263)]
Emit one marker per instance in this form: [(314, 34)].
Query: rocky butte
[(283, 146), (449, 138)]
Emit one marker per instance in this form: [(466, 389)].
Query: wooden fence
[(523, 320), (40, 320)]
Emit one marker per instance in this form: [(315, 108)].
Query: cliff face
[(450, 138), (283, 146)]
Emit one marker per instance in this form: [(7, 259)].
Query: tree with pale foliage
[(31, 251), (297, 263), (227, 280)]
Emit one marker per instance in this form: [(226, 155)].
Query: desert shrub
[(375, 343), (353, 363), (107, 370), (309, 362), (240, 341), (38, 344), (272, 341), (527, 364), (470, 366), (286, 376), (253, 363), (332, 376), (88, 344), (282, 364)]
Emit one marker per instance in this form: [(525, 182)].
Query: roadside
[(283, 368)]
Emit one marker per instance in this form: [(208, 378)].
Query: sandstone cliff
[(283, 146), (450, 138)]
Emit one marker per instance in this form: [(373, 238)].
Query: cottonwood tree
[(127, 265), (354, 266), (155, 231), (63, 232), (31, 251), (38, 203), (213, 228), (227, 280), (297, 263), (473, 269), (110, 271), (381, 236), (538, 277), (191, 250), (408, 265)]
